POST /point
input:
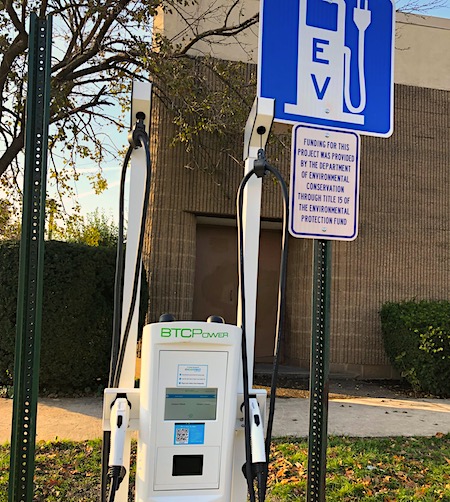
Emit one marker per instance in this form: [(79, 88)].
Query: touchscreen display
[(190, 404)]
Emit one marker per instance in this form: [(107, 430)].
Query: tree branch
[(103, 66), (82, 57), (12, 151), (224, 31), (230, 10), (99, 43), (95, 101), (14, 17), (17, 47)]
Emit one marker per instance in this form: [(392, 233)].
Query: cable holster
[(137, 131), (260, 164)]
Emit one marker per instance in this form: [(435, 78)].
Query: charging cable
[(256, 464), (137, 138)]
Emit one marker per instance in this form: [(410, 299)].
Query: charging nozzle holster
[(260, 164), (134, 136)]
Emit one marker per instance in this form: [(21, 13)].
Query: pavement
[(359, 412)]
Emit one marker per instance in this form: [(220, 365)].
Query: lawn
[(387, 470)]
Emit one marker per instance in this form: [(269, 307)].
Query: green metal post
[(320, 362), (29, 301)]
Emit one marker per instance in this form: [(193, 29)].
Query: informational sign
[(329, 62), (324, 189), (192, 375)]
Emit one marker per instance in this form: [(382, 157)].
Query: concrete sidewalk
[(80, 418)]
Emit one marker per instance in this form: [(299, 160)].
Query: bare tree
[(420, 6), (97, 47)]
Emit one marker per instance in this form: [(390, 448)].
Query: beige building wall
[(422, 56), (188, 22), (402, 251)]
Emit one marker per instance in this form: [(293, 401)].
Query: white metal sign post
[(324, 183)]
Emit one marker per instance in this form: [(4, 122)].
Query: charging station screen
[(190, 404)]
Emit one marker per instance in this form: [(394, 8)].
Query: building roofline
[(421, 20)]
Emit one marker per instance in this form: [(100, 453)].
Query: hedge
[(417, 340), (76, 318)]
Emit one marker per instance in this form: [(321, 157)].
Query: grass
[(374, 469), (385, 470)]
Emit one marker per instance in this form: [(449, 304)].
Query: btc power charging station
[(203, 431), (189, 382)]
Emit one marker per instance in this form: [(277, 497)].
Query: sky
[(108, 201), (440, 12)]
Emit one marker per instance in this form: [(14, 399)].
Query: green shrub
[(417, 340), (76, 318)]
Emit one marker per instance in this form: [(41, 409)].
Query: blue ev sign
[(329, 62)]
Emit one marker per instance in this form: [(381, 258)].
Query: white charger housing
[(188, 393)]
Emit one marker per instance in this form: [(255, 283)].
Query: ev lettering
[(317, 48), (320, 92)]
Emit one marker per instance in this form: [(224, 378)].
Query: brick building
[(402, 251)]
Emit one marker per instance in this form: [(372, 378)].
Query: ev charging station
[(203, 431), (199, 420), (200, 424), (187, 411)]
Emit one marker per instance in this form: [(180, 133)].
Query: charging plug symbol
[(325, 85)]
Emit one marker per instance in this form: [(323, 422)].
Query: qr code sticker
[(182, 436)]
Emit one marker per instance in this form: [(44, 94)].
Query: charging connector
[(256, 433), (120, 418), (259, 461)]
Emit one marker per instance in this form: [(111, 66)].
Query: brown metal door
[(216, 281)]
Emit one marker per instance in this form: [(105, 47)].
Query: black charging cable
[(260, 168), (138, 137), (142, 138), (116, 474)]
